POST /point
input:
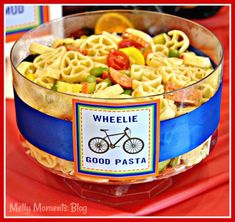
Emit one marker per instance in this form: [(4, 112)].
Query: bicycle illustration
[(100, 145)]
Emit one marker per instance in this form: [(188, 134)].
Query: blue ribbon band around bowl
[(177, 135)]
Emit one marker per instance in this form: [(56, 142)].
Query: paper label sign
[(116, 140), (22, 18)]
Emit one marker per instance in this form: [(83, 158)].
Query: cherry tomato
[(125, 43), (118, 60), (121, 79), (105, 74)]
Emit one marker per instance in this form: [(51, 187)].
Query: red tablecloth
[(201, 191)]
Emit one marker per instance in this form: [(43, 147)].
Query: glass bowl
[(199, 122)]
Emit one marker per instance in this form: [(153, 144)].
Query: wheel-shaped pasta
[(147, 90), (175, 61), (180, 79), (166, 72), (116, 38), (109, 92), (167, 109), (65, 166), (214, 79), (151, 82), (98, 47), (45, 81), (75, 67), (50, 59), (42, 157), (157, 59), (137, 71), (52, 73), (207, 91), (180, 75), (46, 159), (197, 73), (161, 48), (194, 156), (179, 41), (26, 68), (33, 151)]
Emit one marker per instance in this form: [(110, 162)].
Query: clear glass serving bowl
[(59, 105)]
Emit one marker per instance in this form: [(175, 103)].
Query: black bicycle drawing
[(101, 145)]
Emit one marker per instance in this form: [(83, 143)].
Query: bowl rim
[(120, 11)]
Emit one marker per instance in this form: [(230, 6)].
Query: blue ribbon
[(177, 136)]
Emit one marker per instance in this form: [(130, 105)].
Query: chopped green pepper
[(174, 53), (159, 39), (127, 92), (88, 88), (91, 87), (108, 81), (174, 162), (162, 165), (98, 71), (91, 78)]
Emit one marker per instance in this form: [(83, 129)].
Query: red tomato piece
[(66, 117), (146, 51), (105, 75), (85, 87), (71, 48), (118, 60), (98, 79), (190, 97), (121, 79), (135, 38), (84, 51), (125, 43)]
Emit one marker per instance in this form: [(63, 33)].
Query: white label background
[(139, 129), (28, 16)]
